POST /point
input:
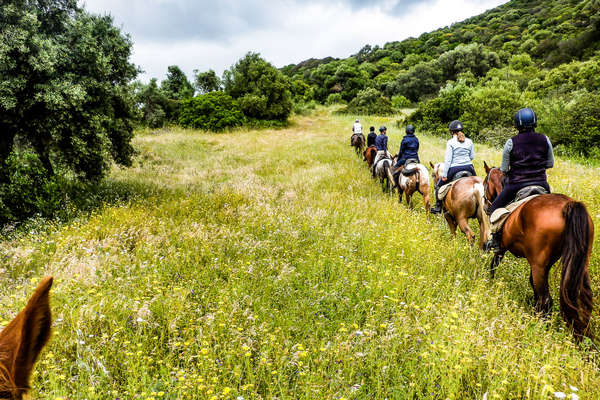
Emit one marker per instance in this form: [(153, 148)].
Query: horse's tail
[(576, 300), (388, 172), (478, 192)]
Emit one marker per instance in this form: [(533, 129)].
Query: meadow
[(268, 265)]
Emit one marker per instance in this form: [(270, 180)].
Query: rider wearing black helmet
[(409, 148), (525, 159), (371, 137), (381, 143), (459, 157)]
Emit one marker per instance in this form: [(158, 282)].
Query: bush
[(498, 135), (399, 102), (213, 111), (370, 101), (584, 123), (304, 108), (29, 189), (490, 106), (334, 98)]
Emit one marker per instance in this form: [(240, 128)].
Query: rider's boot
[(438, 203), (494, 243)]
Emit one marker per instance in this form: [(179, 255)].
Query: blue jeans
[(510, 191)]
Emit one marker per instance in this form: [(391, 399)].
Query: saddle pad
[(499, 216), (444, 189)]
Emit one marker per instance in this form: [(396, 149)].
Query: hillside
[(268, 264)]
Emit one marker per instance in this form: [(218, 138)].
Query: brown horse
[(542, 230), (358, 142), (416, 181), (22, 341), (464, 201), (369, 155)]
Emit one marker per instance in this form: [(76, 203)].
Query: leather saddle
[(461, 174), (529, 191), (410, 167)]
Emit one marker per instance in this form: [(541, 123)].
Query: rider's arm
[(550, 160), (472, 152), (447, 160), (385, 143), (505, 166)]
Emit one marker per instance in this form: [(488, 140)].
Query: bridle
[(486, 184)]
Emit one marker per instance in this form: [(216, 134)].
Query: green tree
[(177, 86), (370, 101), (153, 104), (207, 81), (262, 91), (64, 87)]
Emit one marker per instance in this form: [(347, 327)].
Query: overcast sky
[(205, 34)]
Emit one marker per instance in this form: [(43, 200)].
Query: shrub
[(370, 101), (304, 108), (211, 111), (584, 123), (334, 98), (489, 106), (400, 101)]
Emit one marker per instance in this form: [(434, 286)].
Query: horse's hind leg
[(464, 226), (541, 289), (451, 223), (495, 262)]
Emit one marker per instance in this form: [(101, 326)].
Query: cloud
[(202, 34)]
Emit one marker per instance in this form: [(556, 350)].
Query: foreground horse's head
[(492, 184), (22, 341)]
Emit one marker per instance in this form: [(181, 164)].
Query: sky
[(214, 34)]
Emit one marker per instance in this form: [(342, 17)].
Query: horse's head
[(492, 183), (436, 170), (22, 341)]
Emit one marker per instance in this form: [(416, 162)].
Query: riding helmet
[(410, 129), (525, 118), (455, 126), (382, 128)]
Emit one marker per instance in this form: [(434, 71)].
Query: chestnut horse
[(358, 142), (22, 341), (464, 201), (417, 181), (369, 155), (542, 230)]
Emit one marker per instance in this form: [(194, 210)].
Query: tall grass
[(267, 264)]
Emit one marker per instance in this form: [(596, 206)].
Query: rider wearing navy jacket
[(525, 159), (371, 137), (409, 148)]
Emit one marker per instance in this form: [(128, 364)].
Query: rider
[(459, 157), (371, 137), (357, 128), (525, 159), (409, 148), (382, 147)]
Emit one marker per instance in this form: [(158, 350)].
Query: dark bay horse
[(542, 230), (22, 341), (358, 142), (464, 201)]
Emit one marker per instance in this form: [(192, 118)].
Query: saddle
[(461, 174), (410, 167), (499, 216)]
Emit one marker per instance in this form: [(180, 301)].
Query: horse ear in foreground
[(542, 230), (22, 341)]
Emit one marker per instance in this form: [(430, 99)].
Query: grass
[(267, 264)]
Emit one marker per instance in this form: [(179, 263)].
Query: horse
[(22, 341), (369, 155), (415, 180), (383, 170), (542, 230), (463, 201), (358, 142)]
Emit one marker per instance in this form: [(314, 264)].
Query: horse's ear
[(432, 166), (487, 169), (24, 337)]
